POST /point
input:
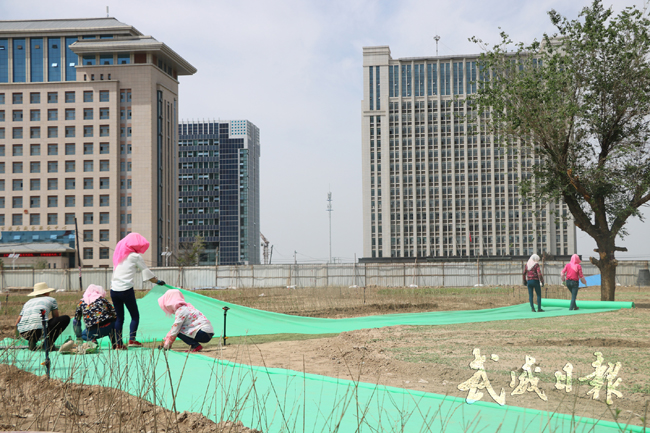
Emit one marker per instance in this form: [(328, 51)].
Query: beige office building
[(431, 187), (88, 129)]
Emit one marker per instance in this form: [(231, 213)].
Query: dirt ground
[(437, 359)]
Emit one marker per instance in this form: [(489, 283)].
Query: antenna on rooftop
[(437, 38), (107, 12)]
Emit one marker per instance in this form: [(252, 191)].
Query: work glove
[(160, 283)]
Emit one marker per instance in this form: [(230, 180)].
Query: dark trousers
[(534, 284), (96, 332), (201, 337), (573, 286), (55, 328), (121, 299)]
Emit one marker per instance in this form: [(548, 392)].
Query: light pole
[(329, 210), (166, 255)]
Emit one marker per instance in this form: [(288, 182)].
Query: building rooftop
[(76, 24), (45, 247)]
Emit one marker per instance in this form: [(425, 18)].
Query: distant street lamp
[(166, 255)]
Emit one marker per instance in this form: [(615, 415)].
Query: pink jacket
[(573, 270)]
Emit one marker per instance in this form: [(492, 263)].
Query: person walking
[(127, 260), (532, 277), (30, 323), (98, 315), (190, 325), (571, 273)]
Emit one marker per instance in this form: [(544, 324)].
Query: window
[(88, 149), (103, 96), (52, 201), (17, 115), (35, 149), (17, 219), (88, 131), (88, 253), (103, 200), (69, 114), (103, 218), (35, 201), (69, 97), (69, 183), (88, 236), (105, 59), (88, 96), (2, 150), (17, 202), (17, 167), (128, 184), (17, 98), (52, 219), (35, 132), (103, 113), (17, 185), (104, 165), (52, 149), (69, 219), (35, 115), (34, 184), (69, 149), (34, 219), (88, 166), (17, 133), (52, 167), (52, 184), (88, 183), (18, 150), (122, 201), (88, 217), (2, 167), (2, 184), (103, 236), (69, 166), (35, 98), (104, 183), (35, 167), (2, 98), (2, 202), (52, 131), (103, 148), (69, 131), (2, 219), (88, 200), (2, 115), (103, 253), (103, 131), (52, 97), (69, 201), (2, 136), (88, 114), (52, 114)]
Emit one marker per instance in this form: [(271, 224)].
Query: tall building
[(88, 115), (219, 189), (432, 187)]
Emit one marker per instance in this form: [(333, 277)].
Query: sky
[(294, 69)]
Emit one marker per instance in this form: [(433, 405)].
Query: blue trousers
[(95, 332), (201, 337), (534, 284), (121, 299), (573, 286)]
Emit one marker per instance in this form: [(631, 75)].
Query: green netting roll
[(589, 305)]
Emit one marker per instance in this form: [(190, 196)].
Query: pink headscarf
[(534, 259), (575, 262), (132, 243), (93, 293), (171, 301)]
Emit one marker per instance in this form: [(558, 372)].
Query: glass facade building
[(218, 190), (435, 184)]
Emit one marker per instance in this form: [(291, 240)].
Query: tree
[(580, 101), (40, 264), (190, 252)]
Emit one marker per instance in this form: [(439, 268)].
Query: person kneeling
[(30, 322), (98, 316), (190, 325)]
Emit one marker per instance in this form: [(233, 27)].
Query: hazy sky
[(294, 69)]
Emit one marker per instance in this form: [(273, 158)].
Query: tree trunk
[(607, 265)]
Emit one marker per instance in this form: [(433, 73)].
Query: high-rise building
[(219, 189), (88, 115), (434, 182)]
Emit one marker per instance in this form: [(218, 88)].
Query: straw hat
[(41, 289)]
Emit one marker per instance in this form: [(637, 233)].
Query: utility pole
[(295, 259), (76, 232), (166, 255), (329, 210)]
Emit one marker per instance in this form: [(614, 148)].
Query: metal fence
[(319, 275)]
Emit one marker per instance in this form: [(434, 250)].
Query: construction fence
[(450, 274)]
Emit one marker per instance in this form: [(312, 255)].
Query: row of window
[(53, 166), (53, 184), (89, 235), (70, 132), (19, 219), (53, 114), (53, 97), (53, 201), (53, 149), (88, 253)]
